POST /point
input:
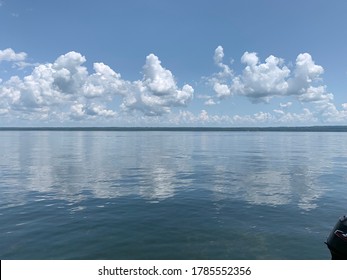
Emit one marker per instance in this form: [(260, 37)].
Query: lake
[(170, 194)]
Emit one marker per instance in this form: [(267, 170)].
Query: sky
[(173, 63)]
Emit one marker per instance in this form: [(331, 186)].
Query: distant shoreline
[(207, 129)]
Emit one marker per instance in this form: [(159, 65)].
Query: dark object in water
[(337, 240)]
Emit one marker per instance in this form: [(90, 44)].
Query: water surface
[(170, 195)]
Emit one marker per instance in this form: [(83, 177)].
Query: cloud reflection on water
[(258, 168)]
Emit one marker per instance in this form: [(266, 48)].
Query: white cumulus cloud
[(92, 111), (10, 55), (286, 105), (66, 90), (263, 81), (220, 81), (157, 92)]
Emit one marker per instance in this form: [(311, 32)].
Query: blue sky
[(173, 63)]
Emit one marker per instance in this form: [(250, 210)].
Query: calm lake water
[(170, 195)]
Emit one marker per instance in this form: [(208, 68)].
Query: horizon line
[(317, 128)]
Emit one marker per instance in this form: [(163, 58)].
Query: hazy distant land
[(284, 129)]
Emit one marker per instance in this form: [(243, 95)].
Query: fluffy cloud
[(18, 60), (210, 102), (65, 90), (286, 105), (92, 111), (306, 69), (11, 55), (157, 92), (277, 117), (263, 81), (68, 74), (219, 81)]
